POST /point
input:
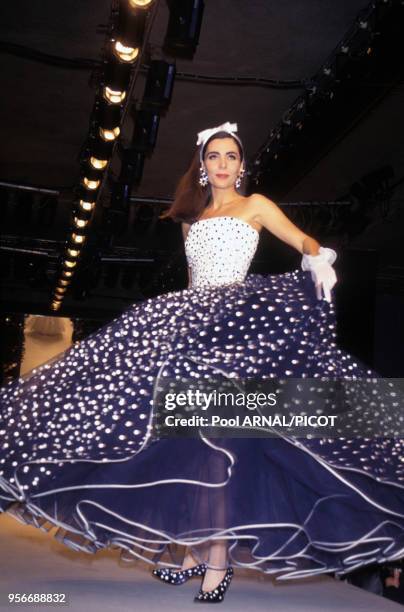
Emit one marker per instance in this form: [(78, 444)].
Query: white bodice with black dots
[(219, 250)]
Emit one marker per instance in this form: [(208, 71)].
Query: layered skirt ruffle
[(80, 451)]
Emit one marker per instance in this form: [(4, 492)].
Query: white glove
[(322, 272)]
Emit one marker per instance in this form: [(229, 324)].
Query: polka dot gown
[(222, 254), (79, 447)]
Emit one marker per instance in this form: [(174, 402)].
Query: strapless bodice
[(219, 250)]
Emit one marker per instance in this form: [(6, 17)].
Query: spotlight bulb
[(125, 54), (73, 252), (114, 96), (80, 222), (98, 164), (90, 184), (86, 205), (109, 135), (139, 3), (78, 238), (70, 264)]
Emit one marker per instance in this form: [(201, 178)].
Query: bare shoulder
[(258, 199), (258, 203)]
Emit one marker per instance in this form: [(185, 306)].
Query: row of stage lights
[(352, 53), (123, 51)]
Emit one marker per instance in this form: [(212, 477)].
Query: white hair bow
[(225, 127)]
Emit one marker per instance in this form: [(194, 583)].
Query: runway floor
[(31, 561)]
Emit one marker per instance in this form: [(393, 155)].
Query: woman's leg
[(189, 560), (217, 565)]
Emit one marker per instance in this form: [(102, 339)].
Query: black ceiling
[(46, 110), (45, 106)]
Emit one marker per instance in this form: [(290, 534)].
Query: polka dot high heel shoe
[(216, 595), (169, 576)]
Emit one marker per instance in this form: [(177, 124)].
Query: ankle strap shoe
[(216, 595), (167, 575)]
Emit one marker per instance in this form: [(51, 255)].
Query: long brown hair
[(190, 197)]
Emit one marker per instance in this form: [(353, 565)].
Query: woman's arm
[(268, 214), (318, 260), (185, 229)]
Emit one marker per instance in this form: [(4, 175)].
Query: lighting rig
[(146, 117), (184, 27), (122, 55), (367, 55)]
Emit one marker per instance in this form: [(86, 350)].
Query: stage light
[(109, 119), (73, 252), (184, 26), (78, 238), (114, 96), (69, 264), (87, 206), (64, 282), (145, 131), (110, 135), (67, 273), (140, 3), (55, 305), (98, 148), (80, 222), (90, 183), (115, 84), (159, 84), (98, 164), (88, 195), (124, 53), (131, 25), (81, 215)]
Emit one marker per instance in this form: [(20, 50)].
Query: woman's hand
[(318, 260), (322, 272)]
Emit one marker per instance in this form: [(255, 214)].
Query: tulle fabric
[(80, 452)]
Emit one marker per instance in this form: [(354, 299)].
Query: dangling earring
[(203, 177), (238, 179)]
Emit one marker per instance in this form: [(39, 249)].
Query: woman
[(82, 446)]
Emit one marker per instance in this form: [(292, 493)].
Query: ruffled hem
[(380, 549), (295, 554), (82, 421)]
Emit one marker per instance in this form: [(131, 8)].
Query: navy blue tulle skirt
[(80, 451)]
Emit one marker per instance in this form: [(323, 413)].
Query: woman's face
[(222, 162)]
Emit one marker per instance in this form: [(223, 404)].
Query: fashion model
[(79, 446)]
